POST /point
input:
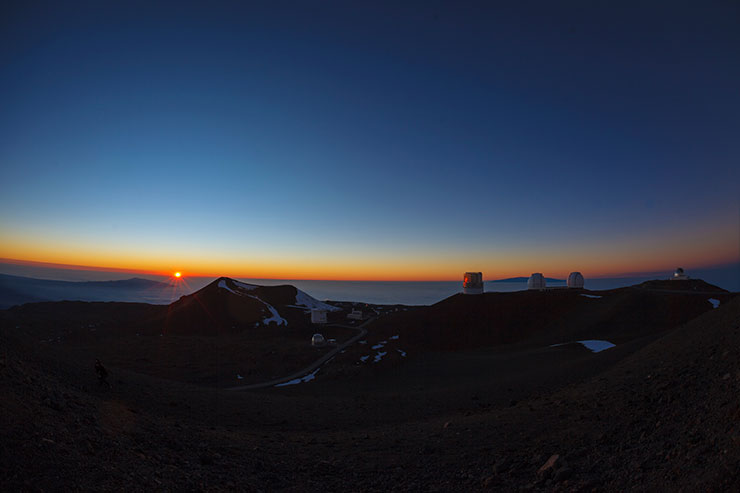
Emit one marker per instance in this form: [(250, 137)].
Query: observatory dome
[(575, 280), (536, 281), (680, 275), (473, 283), (318, 340)]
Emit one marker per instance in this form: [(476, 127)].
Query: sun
[(178, 274)]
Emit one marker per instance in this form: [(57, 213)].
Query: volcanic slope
[(664, 418), (226, 305), (555, 316)]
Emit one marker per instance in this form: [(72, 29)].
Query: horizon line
[(62, 266)]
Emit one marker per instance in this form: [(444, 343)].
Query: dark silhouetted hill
[(226, 305), (524, 279), (555, 316), (682, 285)]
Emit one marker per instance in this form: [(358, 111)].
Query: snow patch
[(362, 342), (303, 299), (379, 356), (364, 358), (295, 381), (714, 302), (247, 287), (379, 345), (590, 296), (596, 346), (275, 315), (222, 284), (401, 352), (593, 345), (244, 285), (393, 338), (239, 377)]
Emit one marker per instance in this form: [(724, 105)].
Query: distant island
[(525, 279)]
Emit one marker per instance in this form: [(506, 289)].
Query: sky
[(370, 140)]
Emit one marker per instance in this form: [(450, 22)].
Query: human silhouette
[(102, 374)]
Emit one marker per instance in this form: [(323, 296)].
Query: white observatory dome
[(680, 275), (318, 340), (536, 281), (575, 280)]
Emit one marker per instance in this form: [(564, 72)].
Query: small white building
[(318, 316), (536, 281), (575, 280), (473, 283), (355, 315), (318, 340), (679, 275)]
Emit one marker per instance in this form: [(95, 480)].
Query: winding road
[(362, 332)]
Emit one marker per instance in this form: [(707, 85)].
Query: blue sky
[(438, 135)]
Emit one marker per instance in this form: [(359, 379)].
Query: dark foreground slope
[(667, 417)]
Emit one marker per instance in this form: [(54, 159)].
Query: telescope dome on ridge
[(536, 281), (473, 283), (575, 280)]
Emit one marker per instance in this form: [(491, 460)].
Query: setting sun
[(178, 274)]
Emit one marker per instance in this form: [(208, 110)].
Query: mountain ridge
[(16, 290), (524, 279)]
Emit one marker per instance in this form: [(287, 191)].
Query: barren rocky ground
[(660, 411)]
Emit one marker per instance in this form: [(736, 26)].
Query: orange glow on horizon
[(402, 269), (627, 258)]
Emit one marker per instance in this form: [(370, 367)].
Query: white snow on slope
[(714, 302), (379, 356), (303, 299), (593, 345), (295, 381), (275, 315), (364, 358), (393, 338), (246, 286), (596, 345), (590, 295), (222, 284), (379, 345)]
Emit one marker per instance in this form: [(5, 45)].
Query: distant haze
[(380, 292)]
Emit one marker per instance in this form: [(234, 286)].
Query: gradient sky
[(363, 140)]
